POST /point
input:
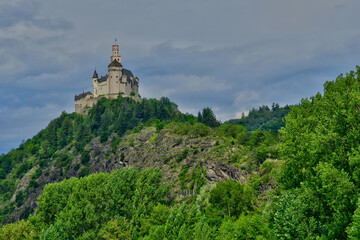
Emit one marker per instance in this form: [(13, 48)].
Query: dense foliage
[(74, 131), (264, 118), (128, 204), (320, 178), (313, 193)]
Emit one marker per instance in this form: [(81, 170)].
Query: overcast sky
[(227, 55)]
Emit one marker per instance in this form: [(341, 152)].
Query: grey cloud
[(229, 55), (13, 12)]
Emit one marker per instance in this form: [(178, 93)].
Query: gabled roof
[(102, 78), (82, 95), (115, 64)]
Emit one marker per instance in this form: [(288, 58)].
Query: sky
[(228, 55)]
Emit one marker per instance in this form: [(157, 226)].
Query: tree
[(231, 199), (208, 118)]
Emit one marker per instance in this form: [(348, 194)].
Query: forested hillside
[(187, 153), (144, 170), (264, 118)]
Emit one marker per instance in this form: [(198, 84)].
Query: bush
[(83, 172), (85, 157), (77, 166), (20, 198), (159, 126), (183, 155)]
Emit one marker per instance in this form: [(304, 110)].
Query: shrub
[(83, 172), (183, 155), (85, 157)]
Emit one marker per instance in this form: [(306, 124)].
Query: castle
[(118, 81)]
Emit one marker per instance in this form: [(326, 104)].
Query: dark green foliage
[(84, 172), (85, 157), (2, 173), (33, 184), (263, 118), (159, 126), (114, 142), (182, 155), (122, 156), (62, 160), (77, 166), (208, 118), (20, 198)]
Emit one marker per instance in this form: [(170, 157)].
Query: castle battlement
[(118, 80)]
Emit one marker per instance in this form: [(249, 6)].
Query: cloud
[(230, 55)]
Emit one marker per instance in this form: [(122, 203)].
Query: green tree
[(208, 118), (230, 199)]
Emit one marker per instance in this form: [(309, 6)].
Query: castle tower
[(115, 74), (95, 83), (115, 53)]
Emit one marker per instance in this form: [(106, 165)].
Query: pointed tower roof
[(95, 74), (115, 64)]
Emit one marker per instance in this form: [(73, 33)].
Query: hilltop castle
[(118, 81)]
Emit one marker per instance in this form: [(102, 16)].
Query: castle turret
[(115, 54), (95, 83)]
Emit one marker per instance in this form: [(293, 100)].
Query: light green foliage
[(353, 229), (321, 145), (18, 231), (116, 229), (230, 199), (150, 190), (83, 207), (323, 128), (246, 227)]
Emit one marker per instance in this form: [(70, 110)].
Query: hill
[(168, 175), (190, 153)]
